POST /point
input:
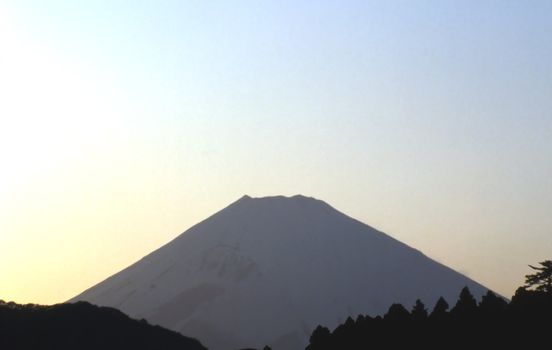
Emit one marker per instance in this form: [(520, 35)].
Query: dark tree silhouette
[(542, 279), (494, 323), (419, 311), (397, 313), (440, 309), (491, 304), (466, 306), (320, 339)]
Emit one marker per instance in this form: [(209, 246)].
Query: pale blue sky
[(125, 122)]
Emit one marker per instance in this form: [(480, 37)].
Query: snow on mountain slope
[(269, 270)]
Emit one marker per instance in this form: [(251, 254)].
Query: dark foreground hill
[(82, 326)]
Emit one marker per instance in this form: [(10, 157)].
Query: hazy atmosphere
[(123, 123)]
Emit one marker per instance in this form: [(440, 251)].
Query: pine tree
[(440, 310), (419, 311), (542, 279), (466, 306), (397, 312)]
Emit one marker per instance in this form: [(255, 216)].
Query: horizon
[(124, 124)]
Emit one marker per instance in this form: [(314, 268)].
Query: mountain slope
[(268, 270), (82, 326)]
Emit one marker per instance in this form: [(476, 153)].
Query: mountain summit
[(269, 270)]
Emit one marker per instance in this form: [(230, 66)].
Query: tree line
[(493, 322)]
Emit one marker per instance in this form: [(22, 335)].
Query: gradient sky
[(123, 123)]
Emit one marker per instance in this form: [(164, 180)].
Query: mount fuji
[(267, 271)]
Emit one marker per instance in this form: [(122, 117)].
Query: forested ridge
[(82, 326), (493, 322)]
